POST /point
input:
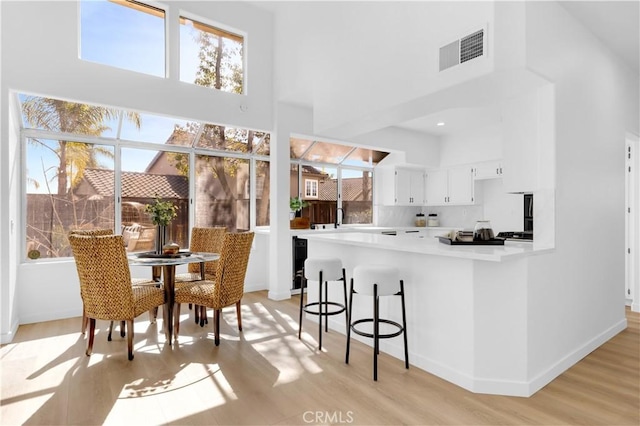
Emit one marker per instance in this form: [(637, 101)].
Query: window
[(263, 192), (80, 159), (311, 188), (123, 34), (58, 196), (347, 186), (145, 175), (220, 198), (211, 57), (357, 200)]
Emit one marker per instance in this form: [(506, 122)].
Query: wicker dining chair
[(91, 233), (97, 232), (227, 286), (106, 287), (208, 240)]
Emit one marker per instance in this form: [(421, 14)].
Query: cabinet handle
[(497, 171)]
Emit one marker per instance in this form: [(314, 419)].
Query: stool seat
[(331, 268), (322, 269), (387, 278), (377, 281)]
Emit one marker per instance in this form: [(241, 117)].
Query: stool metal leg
[(320, 311), (404, 326), (326, 307), (303, 283), (346, 358), (346, 305), (376, 332)]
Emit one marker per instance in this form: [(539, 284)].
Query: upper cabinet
[(453, 186), (487, 170), (401, 186)]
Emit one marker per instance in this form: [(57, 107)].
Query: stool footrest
[(380, 336), (316, 304)]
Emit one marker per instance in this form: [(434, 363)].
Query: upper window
[(333, 153), (123, 34), (211, 57), (311, 188)]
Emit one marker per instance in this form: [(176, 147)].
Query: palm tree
[(72, 118)]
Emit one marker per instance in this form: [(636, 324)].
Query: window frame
[(118, 144), (223, 28), (314, 188)]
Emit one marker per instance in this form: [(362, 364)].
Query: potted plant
[(161, 213), (296, 204)]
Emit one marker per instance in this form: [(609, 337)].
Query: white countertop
[(431, 246), (360, 228)]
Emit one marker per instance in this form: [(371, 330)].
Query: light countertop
[(361, 228), (430, 245)]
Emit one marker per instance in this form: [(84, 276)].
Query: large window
[(129, 34), (92, 167), (148, 174), (210, 56), (335, 180), (124, 34), (222, 196), (59, 198)]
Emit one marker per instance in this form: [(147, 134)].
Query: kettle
[(483, 231)]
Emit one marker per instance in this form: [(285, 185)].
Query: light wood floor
[(267, 376)]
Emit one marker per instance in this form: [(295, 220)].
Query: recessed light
[(441, 123)]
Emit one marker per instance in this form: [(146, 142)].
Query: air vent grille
[(462, 50), (471, 46)]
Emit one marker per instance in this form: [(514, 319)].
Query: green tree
[(217, 69), (73, 118)]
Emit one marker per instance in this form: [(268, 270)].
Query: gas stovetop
[(521, 236)]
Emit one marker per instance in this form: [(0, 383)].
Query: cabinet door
[(436, 190), (417, 187), (403, 187), (488, 170), (460, 185)]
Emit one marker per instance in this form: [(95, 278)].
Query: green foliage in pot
[(161, 212), (296, 204)]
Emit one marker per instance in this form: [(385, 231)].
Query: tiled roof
[(138, 185), (351, 189)]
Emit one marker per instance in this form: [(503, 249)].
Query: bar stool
[(324, 270), (377, 281)]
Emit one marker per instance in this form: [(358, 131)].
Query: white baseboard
[(569, 360), (489, 385), (8, 337)]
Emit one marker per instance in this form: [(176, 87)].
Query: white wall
[(39, 55), (578, 292), (483, 144), (352, 61)]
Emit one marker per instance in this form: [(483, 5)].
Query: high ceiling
[(615, 23)]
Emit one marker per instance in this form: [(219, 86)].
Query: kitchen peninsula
[(466, 305)]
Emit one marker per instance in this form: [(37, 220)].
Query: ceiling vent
[(462, 50)]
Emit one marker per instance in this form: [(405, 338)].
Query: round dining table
[(167, 264)]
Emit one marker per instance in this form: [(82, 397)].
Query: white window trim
[(314, 185)]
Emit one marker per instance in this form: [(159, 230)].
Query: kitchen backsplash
[(464, 217), (505, 211)]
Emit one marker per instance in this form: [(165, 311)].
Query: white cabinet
[(436, 187), (452, 186), (401, 186), (409, 187), (487, 170)]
